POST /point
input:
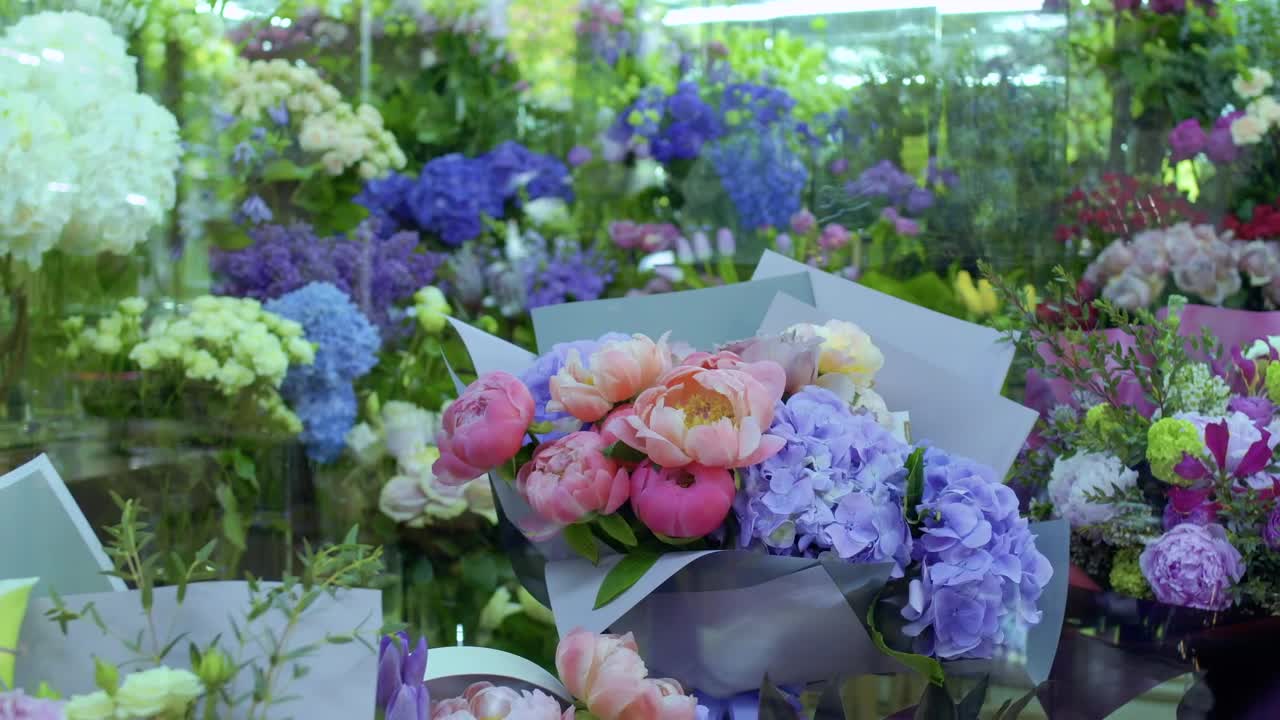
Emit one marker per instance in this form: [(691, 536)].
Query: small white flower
[(547, 210), (1265, 109), (133, 306), (402, 499), (1252, 83), (1247, 130), (95, 706)]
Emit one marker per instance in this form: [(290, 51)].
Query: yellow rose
[(848, 350)]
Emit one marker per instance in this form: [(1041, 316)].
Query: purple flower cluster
[(762, 176), (836, 485), (563, 271), (979, 563), (515, 169), (346, 348), (386, 199), (888, 181), (453, 195), (378, 273), (400, 691), (1189, 139), (756, 105)]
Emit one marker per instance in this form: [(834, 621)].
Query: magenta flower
[(1271, 530), (1189, 505), (1217, 437), (1188, 139)]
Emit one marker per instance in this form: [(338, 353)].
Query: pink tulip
[(570, 479), (483, 429), (607, 674), (715, 418), (687, 502), (589, 388)]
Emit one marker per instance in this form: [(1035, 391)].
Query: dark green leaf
[(245, 468), (935, 704), (970, 708), (583, 542), (281, 170), (623, 575), (623, 452), (616, 527), (1012, 711), (915, 485), (773, 704), (232, 526), (676, 541), (926, 666)]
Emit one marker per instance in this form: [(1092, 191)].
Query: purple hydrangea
[(888, 181), (762, 176), (563, 272), (692, 123), (378, 273), (1193, 566), (346, 348), (387, 200), (979, 563), (762, 105), (514, 167), (453, 196), (797, 502)]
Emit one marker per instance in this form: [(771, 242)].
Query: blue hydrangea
[(762, 176), (452, 196), (760, 105), (513, 166), (800, 501), (346, 348), (979, 562), (691, 124), (387, 200)]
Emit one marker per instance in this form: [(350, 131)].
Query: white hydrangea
[(89, 162), (1074, 478), (37, 173)]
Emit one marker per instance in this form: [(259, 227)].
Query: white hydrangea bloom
[(1074, 478), (37, 173)]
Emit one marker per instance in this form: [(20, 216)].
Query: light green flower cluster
[(431, 309), (1273, 382), (1126, 575), (162, 693), (1103, 421), (788, 62), (111, 335), (1167, 441), (1196, 388)]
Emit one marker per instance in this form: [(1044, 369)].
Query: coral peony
[(588, 388), (484, 428), (715, 418), (687, 502), (570, 479), (607, 674)]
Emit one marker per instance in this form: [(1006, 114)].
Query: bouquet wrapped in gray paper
[(727, 474)]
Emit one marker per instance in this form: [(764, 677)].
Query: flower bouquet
[(1160, 454), (689, 481)]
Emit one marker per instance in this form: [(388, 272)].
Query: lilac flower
[(693, 123), (789, 501), (377, 273), (1187, 140), (939, 176), (452, 196), (918, 200), (279, 114), (839, 166), (17, 705), (762, 176), (888, 181), (579, 155), (763, 104), (1192, 566), (254, 210), (514, 167), (562, 271)]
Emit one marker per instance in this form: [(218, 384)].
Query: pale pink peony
[(797, 356), (589, 388), (607, 674), (687, 502), (483, 429), (715, 418), (570, 479), (767, 370), (485, 701)]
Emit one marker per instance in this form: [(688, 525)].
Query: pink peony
[(570, 479), (767, 371), (715, 418), (607, 674), (485, 701), (483, 429), (589, 388), (687, 502)]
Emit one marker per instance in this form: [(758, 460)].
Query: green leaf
[(281, 170), (1010, 711), (617, 528), (935, 704), (245, 468), (970, 708), (232, 526), (928, 667), (583, 542), (623, 576), (915, 485), (678, 542), (623, 452)]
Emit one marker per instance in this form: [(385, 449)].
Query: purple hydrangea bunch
[(827, 489), (378, 272), (515, 170), (978, 561), (886, 180), (387, 200), (562, 271), (346, 348), (756, 105), (453, 195), (763, 177)]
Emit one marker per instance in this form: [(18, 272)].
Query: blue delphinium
[(759, 105), (799, 501), (979, 562), (346, 348), (762, 176), (452, 196), (513, 167)]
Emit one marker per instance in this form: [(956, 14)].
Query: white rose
[(408, 429), (362, 441), (184, 687), (1267, 110), (94, 706), (1252, 83), (1247, 130), (402, 499)]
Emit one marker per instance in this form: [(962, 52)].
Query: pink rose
[(589, 388), (687, 502), (607, 674), (570, 479), (715, 418), (833, 237), (483, 429)]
